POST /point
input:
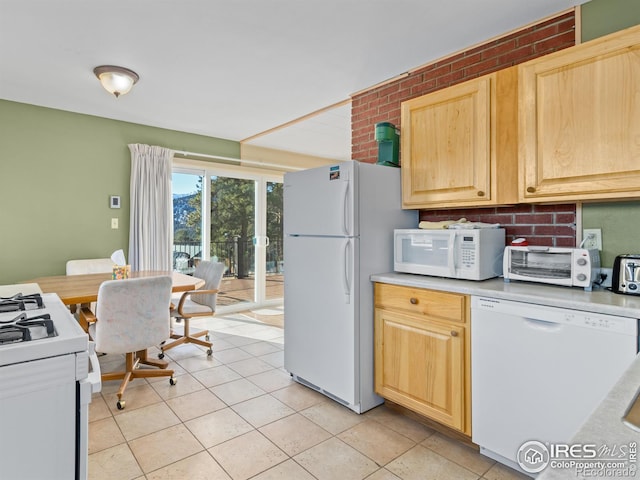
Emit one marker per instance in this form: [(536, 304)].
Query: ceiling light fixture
[(116, 80)]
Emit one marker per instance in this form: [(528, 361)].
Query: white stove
[(46, 386), (68, 337)]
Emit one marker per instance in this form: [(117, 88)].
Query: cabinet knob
[(454, 333), (480, 193), (531, 189), (413, 300)]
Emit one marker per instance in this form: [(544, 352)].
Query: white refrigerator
[(338, 230)]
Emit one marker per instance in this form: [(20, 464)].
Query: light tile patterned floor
[(237, 415)]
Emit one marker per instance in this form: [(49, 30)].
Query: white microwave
[(473, 254), (571, 267)]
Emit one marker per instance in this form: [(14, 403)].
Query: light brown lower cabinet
[(422, 352)]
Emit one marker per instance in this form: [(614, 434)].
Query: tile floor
[(237, 415)]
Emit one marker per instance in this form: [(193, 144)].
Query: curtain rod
[(236, 161)]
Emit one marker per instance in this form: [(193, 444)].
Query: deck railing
[(237, 255)]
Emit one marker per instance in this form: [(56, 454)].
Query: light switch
[(114, 223)]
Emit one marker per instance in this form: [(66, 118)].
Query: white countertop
[(598, 300)]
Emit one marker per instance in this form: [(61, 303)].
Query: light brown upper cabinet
[(459, 144), (579, 122)]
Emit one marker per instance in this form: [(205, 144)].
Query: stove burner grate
[(20, 302), (23, 329)]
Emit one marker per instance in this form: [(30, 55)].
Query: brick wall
[(542, 225), (548, 225), (382, 104)]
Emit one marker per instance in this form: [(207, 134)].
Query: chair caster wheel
[(161, 355), (207, 337), (120, 404), (173, 381), (209, 352)]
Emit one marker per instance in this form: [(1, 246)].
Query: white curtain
[(151, 208)]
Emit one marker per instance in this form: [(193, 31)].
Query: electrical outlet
[(592, 238), (114, 223)]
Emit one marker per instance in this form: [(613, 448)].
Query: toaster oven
[(571, 267)]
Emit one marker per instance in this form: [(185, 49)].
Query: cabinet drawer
[(434, 304)]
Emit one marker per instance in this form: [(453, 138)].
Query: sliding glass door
[(274, 258), (240, 220), (233, 228), (187, 220)]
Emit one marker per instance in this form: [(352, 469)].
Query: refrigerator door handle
[(345, 208), (346, 279)]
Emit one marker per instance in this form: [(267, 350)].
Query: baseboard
[(443, 429)]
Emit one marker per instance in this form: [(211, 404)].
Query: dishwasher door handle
[(542, 324)]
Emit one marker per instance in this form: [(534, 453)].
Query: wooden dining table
[(83, 289)]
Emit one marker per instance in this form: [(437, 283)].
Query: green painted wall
[(619, 221), (601, 17), (57, 171), (620, 224)]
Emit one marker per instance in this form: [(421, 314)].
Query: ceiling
[(235, 69)]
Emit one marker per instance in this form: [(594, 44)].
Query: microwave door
[(425, 252)]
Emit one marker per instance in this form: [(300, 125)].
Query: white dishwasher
[(538, 371)]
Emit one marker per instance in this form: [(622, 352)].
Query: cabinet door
[(446, 145), (579, 122), (420, 365)]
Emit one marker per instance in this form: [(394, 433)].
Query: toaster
[(626, 274)]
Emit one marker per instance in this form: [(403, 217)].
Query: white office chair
[(197, 303), (133, 315)]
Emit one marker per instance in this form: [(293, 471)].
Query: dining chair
[(131, 316), (88, 266), (197, 303)]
